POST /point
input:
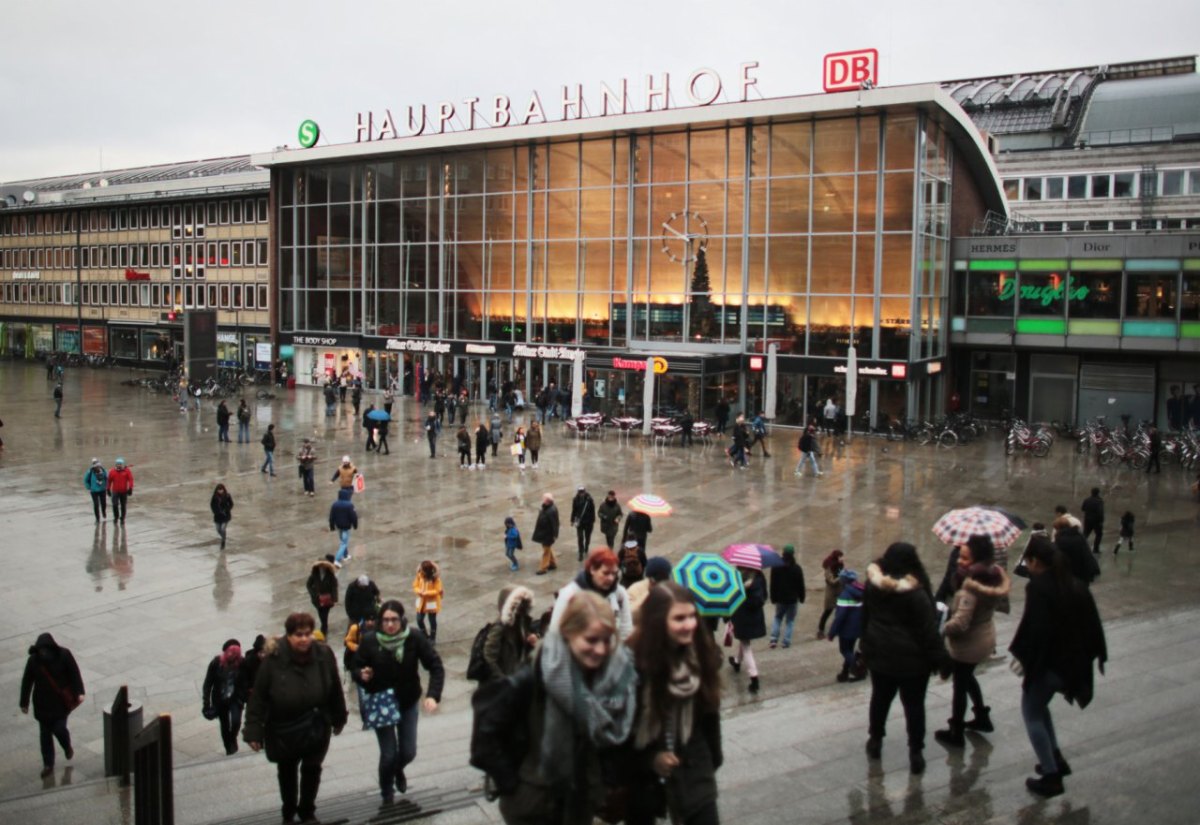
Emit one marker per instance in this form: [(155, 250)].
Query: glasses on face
[(390, 620)]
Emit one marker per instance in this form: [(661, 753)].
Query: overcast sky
[(91, 86)]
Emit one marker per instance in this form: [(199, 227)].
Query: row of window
[(1113, 226), (186, 219), (1155, 183), (120, 256), (188, 296), (1081, 294)]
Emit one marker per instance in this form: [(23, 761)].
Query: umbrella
[(649, 504), (956, 526), (754, 556), (379, 415), (1013, 517), (714, 582)]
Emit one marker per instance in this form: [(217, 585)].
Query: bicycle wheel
[(947, 438), (1107, 456), (925, 435), (1041, 449), (1140, 460), (264, 395)]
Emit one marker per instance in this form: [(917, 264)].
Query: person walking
[(686, 425), (1126, 534), (120, 488), (344, 476), (389, 398), (847, 625), (356, 396), (747, 624), (599, 575), (322, 587), (758, 427), (970, 632), (510, 641), (387, 660), (741, 441), (96, 482), (1055, 644), (638, 527), (268, 443), (656, 571), (677, 736), (223, 416), (243, 418), (787, 594), (368, 424), (495, 432), (901, 644), (222, 510), (519, 445), (1074, 547), (482, 439), (307, 458), (573, 704), (295, 706), (1093, 518), (53, 681), (545, 532), (225, 692), (512, 542), (610, 513), (58, 400), (427, 584), (809, 451), (381, 433), (583, 519), (463, 439), (331, 397), (533, 443), (722, 414), (343, 518), (831, 566), (431, 433), (362, 599), (1155, 446)]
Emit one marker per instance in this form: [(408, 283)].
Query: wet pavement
[(150, 604)]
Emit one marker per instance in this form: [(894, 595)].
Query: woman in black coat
[(225, 691), (749, 623), (901, 644), (222, 510), (52, 677)]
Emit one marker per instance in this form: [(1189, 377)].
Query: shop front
[(229, 350), (68, 338), (123, 342), (318, 358), (95, 340)]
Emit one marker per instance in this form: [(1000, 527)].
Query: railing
[(119, 730), (153, 769)]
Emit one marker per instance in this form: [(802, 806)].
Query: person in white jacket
[(600, 575)]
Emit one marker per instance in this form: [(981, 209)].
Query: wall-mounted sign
[(134, 275), (553, 353), (314, 341), (702, 88), (933, 367), (408, 345), (899, 371), (262, 354), (227, 337), (756, 363), (1045, 294), (27, 276), (481, 349), (846, 71), (308, 134), (661, 364)]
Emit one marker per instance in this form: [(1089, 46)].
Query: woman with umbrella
[(748, 623), (638, 525)]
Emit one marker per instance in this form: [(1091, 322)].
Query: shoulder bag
[(380, 710)]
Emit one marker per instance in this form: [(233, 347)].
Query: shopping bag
[(515, 449), (360, 483)]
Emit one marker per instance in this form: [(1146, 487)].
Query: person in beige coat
[(971, 634)]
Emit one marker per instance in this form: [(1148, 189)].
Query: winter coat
[(400, 672), (268, 441), (120, 480), (900, 626), (429, 591), (1060, 631), (243, 413), (96, 482), (583, 511), (50, 671), (222, 507), (808, 444), (638, 526), (848, 617), (512, 538), (482, 439), (330, 394), (1093, 510), (833, 587), (748, 620), (787, 583), (507, 647), (610, 513), (307, 456), (342, 515), (318, 586), (970, 629), (285, 690), (533, 438), (1074, 547), (1127, 526), (360, 600), (617, 598), (546, 530), (224, 687), (223, 415), (344, 476), (464, 441)]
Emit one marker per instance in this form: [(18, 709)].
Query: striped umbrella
[(650, 504), (754, 556), (956, 526), (714, 582)]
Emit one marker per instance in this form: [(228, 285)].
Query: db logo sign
[(845, 71)]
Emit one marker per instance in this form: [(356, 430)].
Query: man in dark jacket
[(362, 595), (268, 442), (223, 416), (583, 519), (53, 679), (343, 518), (1093, 518), (545, 533), (58, 399), (1074, 547), (741, 443), (638, 526), (243, 417), (368, 424), (787, 593), (610, 516)]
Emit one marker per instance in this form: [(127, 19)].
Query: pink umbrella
[(753, 556), (650, 504)]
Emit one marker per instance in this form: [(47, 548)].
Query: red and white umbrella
[(956, 526), (753, 556), (650, 504)]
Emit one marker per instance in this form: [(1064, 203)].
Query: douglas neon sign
[(1046, 295)]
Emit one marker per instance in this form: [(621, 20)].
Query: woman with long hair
[(749, 623), (677, 734), (222, 510), (901, 644), (225, 691), (1059, 637), (544, 734), (831, 567), (428, 587)]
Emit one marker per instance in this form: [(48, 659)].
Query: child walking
[(512, 542), (847, 623), (1126, 533)]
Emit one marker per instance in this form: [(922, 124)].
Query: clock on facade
[(684, 234)]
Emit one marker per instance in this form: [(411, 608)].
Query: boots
[(310, 782), (753, 684), (845, 674), (1064, 768), (874, 747), (916, 760), (1047, 785), (735, 664), (951, 737), (982, 721)]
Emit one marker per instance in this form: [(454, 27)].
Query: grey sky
[(153, 82)]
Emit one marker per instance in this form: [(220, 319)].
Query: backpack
[(478, 670)]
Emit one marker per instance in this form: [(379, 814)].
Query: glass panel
[(867, 196), (707, 155), (833, 204), (789, 205), (896, 265), (1150, 296), (898, 202), (1123, 185), (1172, 182), (1077, 187), (790, 148), (708, 201), (831, 263), (895, 327), (868, 144), (1041, 294), (834, 146), (1189, 298), (989, 294), (788, 264), (864, 265), (1033, 189), (1101, 186), (670, 157), (900, 142), (829, 326), (1103, 297), (564, 165), (1054, 188)]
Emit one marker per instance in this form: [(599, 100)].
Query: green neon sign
[(1046, 294), (309, 133)]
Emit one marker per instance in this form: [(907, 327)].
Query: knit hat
[(230, 643), (345, 459), (580, 488), (848, 576), (120, 462), (95, 462), (658, 568), (789, 550)]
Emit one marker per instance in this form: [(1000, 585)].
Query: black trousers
[(584, 534), (965, 685), (299, 797), (118, 502), (912, 696), (100, 505), (1096, 527)]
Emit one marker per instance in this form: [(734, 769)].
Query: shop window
[(989, 294), (1189, 298), (1094, 295), (1150, 296)]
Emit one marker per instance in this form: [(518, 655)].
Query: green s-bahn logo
[(309, 133)]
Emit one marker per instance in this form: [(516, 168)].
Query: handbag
[(380, 710), (325, 600), (516, 449), (728, 641), (360, 483)]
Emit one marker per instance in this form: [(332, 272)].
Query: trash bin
[(111, 768)]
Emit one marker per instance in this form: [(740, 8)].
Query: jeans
[(397, 748), (846, 648), (1035, 710), (269, 463), (784, 614), (584, 534), (965, 684), (510, 553), (221, 527), (100, 505), (222, 432), (230, 719), (432, 631), (812, 457), (119, 501), (738, 455), (343, 545), (912, 696), (825, 614), (51, 730), (307, 473), (58, 407), (243, 432)]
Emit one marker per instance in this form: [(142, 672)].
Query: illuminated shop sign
[(554, 353), (417, 346), (661, 364), (846, 71), (702, 88), (756, 363), (481, 349), (27, 276), (898, 371), (314, 341), (1054, 291)]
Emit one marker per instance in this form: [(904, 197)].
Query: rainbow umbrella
[(754, 556), (714, 582), (649, 504)]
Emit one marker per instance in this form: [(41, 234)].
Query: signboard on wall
[(262, 355)]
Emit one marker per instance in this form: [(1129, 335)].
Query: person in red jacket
[(120, 487)]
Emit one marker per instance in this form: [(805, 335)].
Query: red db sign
[(845, 71)]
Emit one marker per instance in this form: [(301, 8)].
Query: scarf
[(676, 727), (602, 712), (393, 644)]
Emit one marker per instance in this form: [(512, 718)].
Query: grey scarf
[(603, 711)]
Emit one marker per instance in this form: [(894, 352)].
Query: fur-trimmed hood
[(881, 581), (510, 603), (995, 591), (327, 566)]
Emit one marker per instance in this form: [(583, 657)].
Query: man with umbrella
[(369, 425)]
